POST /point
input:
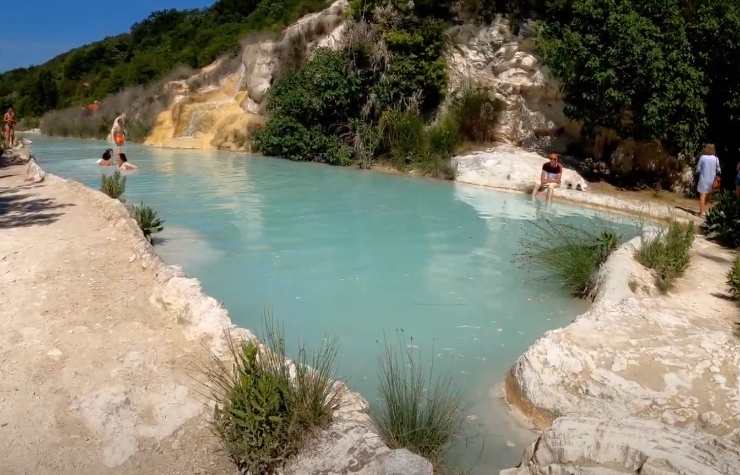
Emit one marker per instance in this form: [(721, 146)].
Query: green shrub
[(722, 222), (417, 411), (324, 92), (147, 219), (573, 254), (262, 414), (733, 278), (404, 136), (476, 113), (365, 139), (667, 253), (444, 136), (114, 185)]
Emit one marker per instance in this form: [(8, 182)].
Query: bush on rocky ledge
[(667, 253), (114, 185), (573, 254), (266, 407), (148, 220)]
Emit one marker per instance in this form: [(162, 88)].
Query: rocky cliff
[(220, 105), (495, 58)]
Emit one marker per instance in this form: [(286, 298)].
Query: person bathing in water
[(552, 173), (118, 132), (123, 163), (105, 160)]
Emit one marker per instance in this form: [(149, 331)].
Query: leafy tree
[(629, 66)]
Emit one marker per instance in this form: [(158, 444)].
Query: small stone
[(404, 462), (711, 418), (54, 354)]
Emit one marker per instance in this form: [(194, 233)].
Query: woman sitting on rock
[(123, 163), (552, 174)]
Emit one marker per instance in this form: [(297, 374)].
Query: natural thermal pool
[(356, 255)]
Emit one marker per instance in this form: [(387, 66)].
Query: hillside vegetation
[(152, 48), (662, 70), (649, 70)]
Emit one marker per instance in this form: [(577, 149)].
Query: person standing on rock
[(9, 120), (552, 174), (118, 132), (708, 170)]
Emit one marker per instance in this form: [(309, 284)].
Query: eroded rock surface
[(664, 362), (493, 57), (586, 445)]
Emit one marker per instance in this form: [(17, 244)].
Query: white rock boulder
[(587, 445), (510, 168)]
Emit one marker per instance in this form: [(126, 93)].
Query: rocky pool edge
[(351, 443)]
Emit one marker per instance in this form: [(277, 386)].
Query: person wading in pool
[(123, 163), (552, 174), (105, 160), (118, 132)]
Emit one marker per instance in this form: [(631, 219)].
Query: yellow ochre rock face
[(210, 118)]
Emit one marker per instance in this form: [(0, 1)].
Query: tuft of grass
[(667, 253), (573, 254), (114, 185), (404, 136), (266, 407), (147, 219), (476, 112), (417, 411)]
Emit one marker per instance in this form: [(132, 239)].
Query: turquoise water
[(356, 255)]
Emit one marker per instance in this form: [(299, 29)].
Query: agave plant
[(114, 185), (148, 220)]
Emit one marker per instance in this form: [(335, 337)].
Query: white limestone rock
[(669, 359), (493, 57), (262, 60), (591, 445), (509, 168)]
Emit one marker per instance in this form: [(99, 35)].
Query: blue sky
[(34, 31)]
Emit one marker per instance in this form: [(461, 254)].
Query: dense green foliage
[(722, 222), (378, 95), (667, 253), (153, 48), (572, 254), (147, 219), (417, 410), (262, 414), (114, 185), (650, 69)]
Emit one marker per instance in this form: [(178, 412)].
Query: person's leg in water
[(550, 192)]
